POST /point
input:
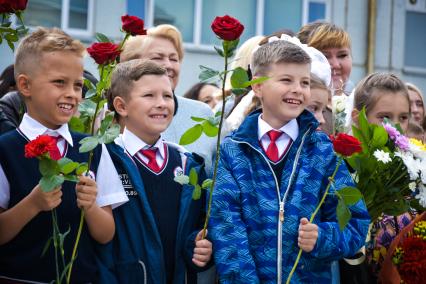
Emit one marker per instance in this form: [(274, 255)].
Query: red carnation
[(104, 52), (346, 145), (42, 145), (227, 28), (11, 6), (133, 25)]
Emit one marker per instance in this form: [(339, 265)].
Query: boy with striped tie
[(49, 75), (158, 238)]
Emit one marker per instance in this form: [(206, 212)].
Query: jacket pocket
[(132, 272)]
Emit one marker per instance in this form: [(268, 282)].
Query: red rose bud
[(11, 6), (41, 145), (227, 28), (133, 25), (346, 145), (104, 52)]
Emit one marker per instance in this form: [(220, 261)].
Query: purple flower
[(392, 131), (402, 142)]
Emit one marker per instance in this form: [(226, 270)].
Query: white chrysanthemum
[(422, 195), (382, 156), (413, 166), (412, 186)]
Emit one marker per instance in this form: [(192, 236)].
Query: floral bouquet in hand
[(54, 170), (390, 171), (7, 32)]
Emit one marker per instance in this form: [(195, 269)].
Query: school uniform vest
[(21, 257), (164, 198)]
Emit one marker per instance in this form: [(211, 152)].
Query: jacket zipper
[(281, 201)]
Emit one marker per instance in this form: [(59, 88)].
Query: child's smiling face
[(285, 94), (52, 91)]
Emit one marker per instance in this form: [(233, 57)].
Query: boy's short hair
[(126, 73), (377, 81), (279, 51), (40, 41)]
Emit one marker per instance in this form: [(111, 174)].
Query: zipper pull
[(281, 211)]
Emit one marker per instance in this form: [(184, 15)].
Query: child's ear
[(354, 115), (120, 106), (257, 88), (23, 85)]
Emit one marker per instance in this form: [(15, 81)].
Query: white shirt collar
[(133, 143), (31, 128), (291, 128)]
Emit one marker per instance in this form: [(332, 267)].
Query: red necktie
[(54, 153), (272, 151), (151, 154)]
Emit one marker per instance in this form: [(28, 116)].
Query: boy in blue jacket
[(158, 237), (273, 171), (49, 76)]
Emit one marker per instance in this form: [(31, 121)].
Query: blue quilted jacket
[(251, 244)]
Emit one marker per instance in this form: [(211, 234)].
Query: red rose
[(104, 52), (10, 6), (227, 28), (133, 25), (41, 145), (346, 145)]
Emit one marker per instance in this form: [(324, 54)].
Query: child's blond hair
[(364, 96), (279, 51), (42, 40)]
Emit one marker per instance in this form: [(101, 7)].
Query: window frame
[(419, 7), (196, 44), (65, 15)]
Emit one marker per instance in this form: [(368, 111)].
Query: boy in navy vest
[(49, 75), (273, 172), (158, 237)]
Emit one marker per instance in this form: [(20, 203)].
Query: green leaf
[(207, 183), (46, 246), (87, 108), (10, 44), (72, 178), (196, 194), (88, 144), (181, 179), (380, 136), (255, 81), (90, 93), (110, 134), (364, 125), (191, 135), (350, 195), (209, 129), (49, 183), (102, 38), (197, 119), (229, 46), (239, 91), (193, 177), (343, 214), (239, 77), (207, 73), (69, 167), (218, 113), (76, 124), (82, 168), (89, 85), (48, 167), (106, 122), (219, 51)]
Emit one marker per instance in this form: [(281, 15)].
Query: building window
[(72, 16), (414, 44), (193, 17)]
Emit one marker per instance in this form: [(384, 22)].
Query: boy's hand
[(86, 192), (308, 235), (45, 201), (202, 251)]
